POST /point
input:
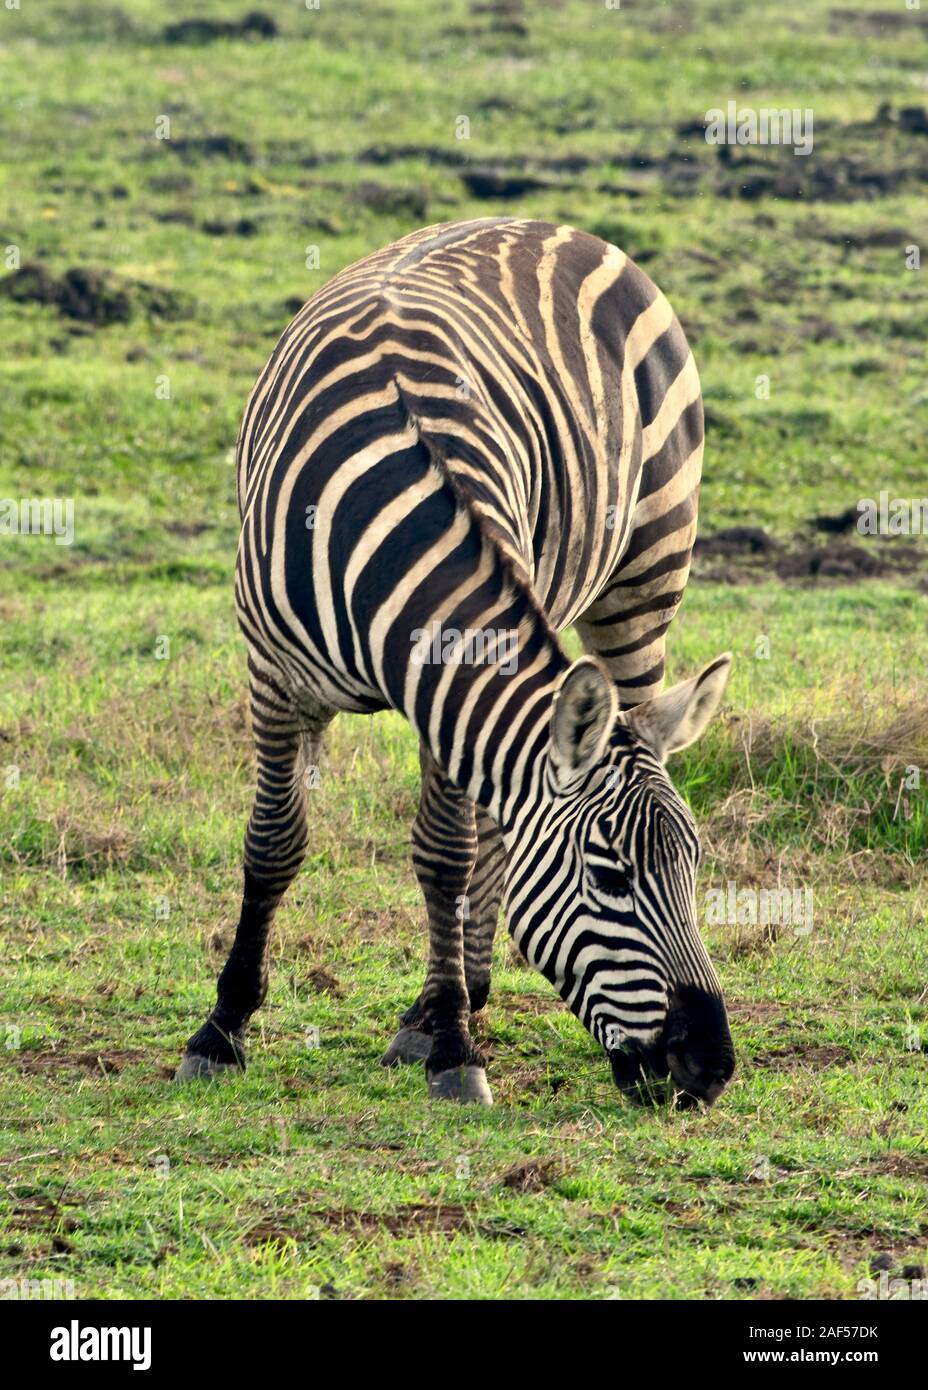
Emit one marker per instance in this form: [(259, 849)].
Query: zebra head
[(600, 893)]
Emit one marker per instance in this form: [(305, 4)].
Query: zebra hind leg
[(444, 852), (481, 916), (287, 743)]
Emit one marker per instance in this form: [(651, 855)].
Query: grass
[(125, 766)]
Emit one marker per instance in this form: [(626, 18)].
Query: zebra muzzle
[(699, 1050), (693, 1060)]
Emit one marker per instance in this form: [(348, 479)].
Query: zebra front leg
[(444, 852), (275, 842), (479, 911)]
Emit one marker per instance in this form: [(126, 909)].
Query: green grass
[(125, 779)]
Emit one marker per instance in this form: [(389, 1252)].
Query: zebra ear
[(585, 710), (675, 718)]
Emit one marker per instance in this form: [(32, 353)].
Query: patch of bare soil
[(901, 1165), (858, 238), (112, 1062), (489, 182), (803, 1055), (324, 982), (754, 940), (402, 1221), (533, 1175), (522, 1084), (876, 22), (244, 226), (92, 296), (199, 29), (212, 147), (753, 1010), (747, 554), (391, 201), (846, 178), (899, 1257), (528, 1003), (40, 1213)]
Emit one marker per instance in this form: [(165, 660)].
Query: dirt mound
[(804, 1055), (212, 147), (843, 179), (488, 182), (392, 201), (744, 554), (838, 560), (736, 540), (243, 227), (841, 521), (254, 25), (91, 296), (875, 22), (533, 1175)]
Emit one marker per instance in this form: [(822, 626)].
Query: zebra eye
[(611, 879)]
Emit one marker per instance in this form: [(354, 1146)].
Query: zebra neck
[(480, 690)]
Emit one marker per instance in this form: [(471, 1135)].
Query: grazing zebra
[(462, 444)]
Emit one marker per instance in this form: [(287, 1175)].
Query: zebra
[(462, 444)]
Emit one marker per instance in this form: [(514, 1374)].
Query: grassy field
[(125, 762)]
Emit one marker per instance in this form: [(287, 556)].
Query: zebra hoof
[(468, 1085), (409, 1045), (196, 1068)]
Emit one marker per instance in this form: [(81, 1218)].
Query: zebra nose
[(697, 1082), (700, 1053)]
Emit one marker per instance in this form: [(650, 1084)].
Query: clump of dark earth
[(487, 182), (873, 21), (324, 981), (505, 17), (858, 238), (844, 179), (532, 1175), (390, 154), (503, 165), (735, 540), (243, 227), (384, 198), (747, 554), (91, 296), (840, 560), (842, 521), (170, 183), (254, 25), (914, 119), (817, 329), (179, 215), (212, 147)]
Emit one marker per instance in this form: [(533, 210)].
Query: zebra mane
[(514, 577)]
